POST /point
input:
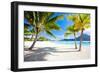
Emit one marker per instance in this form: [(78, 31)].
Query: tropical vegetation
[(71, 31), (42, 22), (81, 23), (38, 22)]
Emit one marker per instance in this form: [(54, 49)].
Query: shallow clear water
[(84, 43)]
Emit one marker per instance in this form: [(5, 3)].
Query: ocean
[(84, 43)]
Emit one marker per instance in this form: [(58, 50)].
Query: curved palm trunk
[(35, 39), (80, 46), (36, 30), (75, 41)]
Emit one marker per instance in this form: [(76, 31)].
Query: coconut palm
[(81, 22), (71, 31), (42, 22)]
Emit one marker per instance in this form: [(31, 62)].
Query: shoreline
[(50, 44), (55, 53)]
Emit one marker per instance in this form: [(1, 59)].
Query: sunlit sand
[(48, 51)]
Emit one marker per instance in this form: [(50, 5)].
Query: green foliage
[(50, 33), (39, 39), (27, 31), (81, 21), (28, 39), (71, 17), (84, 21), (29, 16), (68, 33), (70, 30), (43, 21), (42, 39), (51, 26)]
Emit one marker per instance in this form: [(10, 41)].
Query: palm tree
[(70, 31), (82, 23), (42, 22)]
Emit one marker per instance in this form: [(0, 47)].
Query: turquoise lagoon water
[(84, 43)]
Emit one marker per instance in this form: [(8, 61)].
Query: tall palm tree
[(71, 30), (82, 23), (42, 22)]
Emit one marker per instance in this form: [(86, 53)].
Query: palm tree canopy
[(84, 21), (43, 21), (70, 30), (81, 21)]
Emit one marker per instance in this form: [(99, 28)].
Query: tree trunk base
[(75, 47), (79, 50), (30, 48)]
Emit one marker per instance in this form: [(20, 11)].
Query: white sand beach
[(48, 51)]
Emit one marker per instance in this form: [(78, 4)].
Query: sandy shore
[(54, 52)]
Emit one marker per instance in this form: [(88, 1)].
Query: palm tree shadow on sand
[(39, 54)]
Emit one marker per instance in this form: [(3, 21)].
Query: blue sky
[(63, 24)]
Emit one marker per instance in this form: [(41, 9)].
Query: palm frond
[(50, 33), (54, 19), (52, 26), (86, 26), (43, 17), (29, 16), (68, 33), (71, 17), (87, 20)]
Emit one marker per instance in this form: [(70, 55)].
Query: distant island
[(85, 38)]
